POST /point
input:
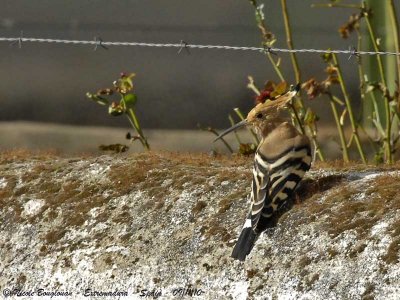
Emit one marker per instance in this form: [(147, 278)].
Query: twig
[(318, 149), (345, 152), (386, 101), (134, 121), (293, 58), (289, 41), (252, 86), (349, 109), (395, 30), (329, 5), (297, 118), (266, 35), (375, 110)]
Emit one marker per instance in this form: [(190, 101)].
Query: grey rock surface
[(166, 223)]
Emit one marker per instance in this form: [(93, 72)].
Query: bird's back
[(281, 161), (282, 158)]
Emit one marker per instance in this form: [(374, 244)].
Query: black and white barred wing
[(259, 194), (274, 181), (285, 173), (249, 233)]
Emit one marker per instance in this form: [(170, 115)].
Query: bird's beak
[(234, 127)]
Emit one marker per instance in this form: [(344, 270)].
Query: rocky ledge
[(163, 225)]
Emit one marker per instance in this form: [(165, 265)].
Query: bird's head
[(263, 115)]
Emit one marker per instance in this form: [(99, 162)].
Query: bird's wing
[(259, 192), (284, 174)]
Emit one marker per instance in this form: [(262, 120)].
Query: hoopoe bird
[(281, 160)]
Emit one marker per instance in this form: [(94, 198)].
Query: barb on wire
[(98, 42), (353, 52), (18, 40), (185, 46), (267, 49)]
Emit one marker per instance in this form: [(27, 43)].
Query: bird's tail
[(244, 244)]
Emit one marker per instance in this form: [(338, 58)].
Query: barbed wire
[(104, 44)]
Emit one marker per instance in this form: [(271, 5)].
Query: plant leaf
[(281, 88), (342, 116), (370, 88), (310, 118), (100, 100), (337, 100)]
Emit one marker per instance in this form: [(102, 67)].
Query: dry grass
[(217, 232), (198, 207), (340, 165), (392, 256), (369, 292), (226, 203), (22, 155), (345, 211), (149, 172), (145, 171), (251, 273), (180, 168)]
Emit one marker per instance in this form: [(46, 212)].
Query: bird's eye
[(259, 116)]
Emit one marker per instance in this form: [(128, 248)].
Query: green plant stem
[(135, 123), (289, 41), (345, 152), (313, 134), (359, 66), (377, 121), (362, 81), (329, 5), (263, 28), (276, 67), (376, 48), (388, 138), (316, 145), (266, 40), (252, 86), (370, 140), (375, 110), (241, 116), (337, 100), (297, 118), (349, 109), (395, 30), (293, 57)]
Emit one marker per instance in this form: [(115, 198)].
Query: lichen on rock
[(162, 222)]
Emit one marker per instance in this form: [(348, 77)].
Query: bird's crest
[(273, 106)]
